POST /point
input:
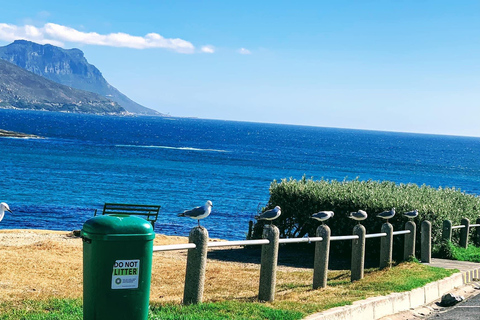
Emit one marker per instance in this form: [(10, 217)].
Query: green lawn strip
[(403, 277), (53, 309), (296, 300), (222, 311)]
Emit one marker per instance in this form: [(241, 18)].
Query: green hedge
[(299, 199)]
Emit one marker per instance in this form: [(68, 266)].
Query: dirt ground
[(39, 264)]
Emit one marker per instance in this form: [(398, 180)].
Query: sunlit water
[(86, 160)]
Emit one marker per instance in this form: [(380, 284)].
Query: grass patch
[(52, 309), (471, 253), (222, 311), (295, 298)]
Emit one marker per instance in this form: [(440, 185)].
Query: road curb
[(378, 307)]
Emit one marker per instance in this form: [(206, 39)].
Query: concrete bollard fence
[(322, 251), (409, 242), (358, 253), (196, 264), (426, 241), (268, 268), (386, 246), (464, 233), (447, 230)]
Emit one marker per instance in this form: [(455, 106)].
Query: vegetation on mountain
[(21, 89)]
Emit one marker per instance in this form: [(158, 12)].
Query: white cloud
[(244, 51), (57, 35), (208, 49)]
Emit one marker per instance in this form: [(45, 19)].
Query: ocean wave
[(172, 148)]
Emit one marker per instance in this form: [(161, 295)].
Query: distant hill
[(24, 90), (67, 67)]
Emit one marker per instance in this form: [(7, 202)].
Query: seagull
[(270, 214), (3, 207), (411, 214), (359, 215), (386, 214), (198, 212), (323, 215)]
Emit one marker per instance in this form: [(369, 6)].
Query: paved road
[(466, 310)]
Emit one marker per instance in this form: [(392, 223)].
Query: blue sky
[(410, 66)]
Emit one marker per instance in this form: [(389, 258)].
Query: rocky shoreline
[(13, 134)]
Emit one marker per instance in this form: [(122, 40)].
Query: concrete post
[(426, 241), (464, 233), (268, 268), (250, 230), (447, 230), (410, 238), (358, 253), (386, 246), (196, 264), (477, 232), (322, 251)]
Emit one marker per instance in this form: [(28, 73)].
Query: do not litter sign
[(125, 274)]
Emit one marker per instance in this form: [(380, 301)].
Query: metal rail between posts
[(474, 225), (185, 246), (396, 233), (338, 238), (458, 227), (375, 235), (300, 240), (171, 247), (237, 243)]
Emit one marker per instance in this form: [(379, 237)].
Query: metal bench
[(149, 212)]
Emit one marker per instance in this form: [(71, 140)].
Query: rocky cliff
[(22, 89), (67, 67)]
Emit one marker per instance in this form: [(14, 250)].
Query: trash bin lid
[(118, 226)]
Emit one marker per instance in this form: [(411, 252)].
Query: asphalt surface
[(465, 310)]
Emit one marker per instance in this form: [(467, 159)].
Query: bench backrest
[(149, 212)]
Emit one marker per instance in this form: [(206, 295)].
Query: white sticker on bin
[(125, 274)]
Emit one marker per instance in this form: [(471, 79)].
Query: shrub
[(299, 199)]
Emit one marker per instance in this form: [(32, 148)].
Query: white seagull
[(270, 214), (3, 207), (198, 212), (386, 214), (359, 215), (323, 215), (411, 214)]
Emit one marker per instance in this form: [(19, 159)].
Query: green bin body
[(117, 267)]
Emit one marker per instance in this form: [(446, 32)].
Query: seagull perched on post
[(270, 214), (359, 215), (198, 212), (323, 216), (411, 214), (3, 207), (386, 214)]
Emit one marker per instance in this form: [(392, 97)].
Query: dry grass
[(38, 265)]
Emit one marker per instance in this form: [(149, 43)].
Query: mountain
[(67, 67), (22, 89)]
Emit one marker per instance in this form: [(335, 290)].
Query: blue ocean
[(86, 160)]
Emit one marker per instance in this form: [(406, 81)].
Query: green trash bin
[(117, 267)]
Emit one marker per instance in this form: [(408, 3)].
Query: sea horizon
[(166, 116)]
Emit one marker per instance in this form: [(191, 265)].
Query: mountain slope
[(67, 67), (24, 90)]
